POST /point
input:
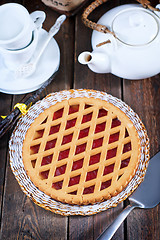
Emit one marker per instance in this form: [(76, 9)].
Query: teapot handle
[(103, 28)]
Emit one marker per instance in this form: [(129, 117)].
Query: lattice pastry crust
[(81, 150), (44, 200)]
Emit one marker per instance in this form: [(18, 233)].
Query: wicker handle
[(103, 28)]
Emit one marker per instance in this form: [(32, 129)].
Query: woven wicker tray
[(43, 200)]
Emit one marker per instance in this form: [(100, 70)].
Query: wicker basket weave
[(43, 200), (103, 28)]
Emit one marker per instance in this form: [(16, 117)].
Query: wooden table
[(20, 217)]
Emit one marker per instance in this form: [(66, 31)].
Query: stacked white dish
[(46, 67)]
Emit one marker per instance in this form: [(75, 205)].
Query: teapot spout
[(85, 58), (97, 61)]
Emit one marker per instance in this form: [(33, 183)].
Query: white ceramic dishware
[(13, 58), (25, 70), (46, 67), (17, 25), (133, 50)]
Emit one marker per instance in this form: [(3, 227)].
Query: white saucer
[(46, 67)]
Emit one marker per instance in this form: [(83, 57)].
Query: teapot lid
[(135, 26)]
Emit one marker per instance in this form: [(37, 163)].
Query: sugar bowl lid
[(135, 26)]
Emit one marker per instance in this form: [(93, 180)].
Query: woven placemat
[(43, 200)]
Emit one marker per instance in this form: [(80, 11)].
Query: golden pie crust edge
[(91, 198), (46, 202)]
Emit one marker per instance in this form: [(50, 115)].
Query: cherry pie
[(81, 150)]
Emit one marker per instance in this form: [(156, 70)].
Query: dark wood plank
[(90, 227), (5, 107), (22, 219), (144, 97), (21, 216)]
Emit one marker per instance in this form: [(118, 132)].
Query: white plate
[(46, 67)]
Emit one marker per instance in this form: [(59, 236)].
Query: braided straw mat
[(45, 201)]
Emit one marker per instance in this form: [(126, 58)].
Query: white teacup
[(14, 58), (17, 25)]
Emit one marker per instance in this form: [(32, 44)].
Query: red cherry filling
[(74, 180), (33, 162), (34, 149), (114, 137), (87, 106), (105, 184), (108, 169), (73, 109), (57, 185), (45, 120), (115, 123), (67, 139), (127, 147), (91, 175), (111, 153), (97, 143), (70, 123), (87, 117), (83, 133), (100, 127), (94, 159), (125, 163), (44, 174), (38, 134), (50, 144), (58, 114), (81, 148), (89, 190), (73, 193), (46, 160), (77, 165), (102, 113), (126, 133), (54, 129), (60, 170), (63, 154)]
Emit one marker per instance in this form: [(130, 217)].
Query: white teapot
[(132, 49)]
